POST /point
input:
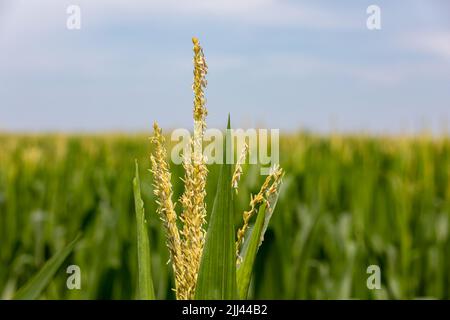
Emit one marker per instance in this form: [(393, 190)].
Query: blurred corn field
[(347, 202)]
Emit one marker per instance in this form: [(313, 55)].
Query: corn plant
[(35, 285), (349, 201), (214, 262)]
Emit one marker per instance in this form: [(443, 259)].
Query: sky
[(284, 64)]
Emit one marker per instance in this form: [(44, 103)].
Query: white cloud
[(256, 12), (384, 73), (433, 43), (28, 28), (22, 16)]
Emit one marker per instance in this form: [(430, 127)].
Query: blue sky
[(279, 64)]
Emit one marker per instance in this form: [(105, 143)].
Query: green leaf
[(33, 288), (272, 201), (146, 291), (217, 274), (252, 243), (244, 271)]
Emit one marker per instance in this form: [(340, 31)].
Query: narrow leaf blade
[(217, 275), (33, 288), (253, 242), (145, 283), (244, 271)]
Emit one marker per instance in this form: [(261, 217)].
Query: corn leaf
[(249, 251), (33, 288), (252, 243), (217, 274), (145, 283), (272, 203)]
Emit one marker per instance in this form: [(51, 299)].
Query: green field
[(347, 202)]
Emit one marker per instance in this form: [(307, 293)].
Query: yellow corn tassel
[(166, 209), (193, 198), (238, 169), (269, 187)]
